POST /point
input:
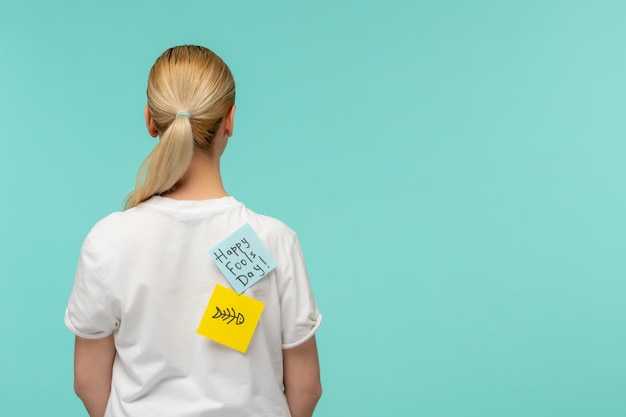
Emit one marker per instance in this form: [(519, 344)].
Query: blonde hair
[(190, 79)]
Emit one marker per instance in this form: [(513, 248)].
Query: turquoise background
[(455, 171)]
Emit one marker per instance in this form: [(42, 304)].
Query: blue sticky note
[(243, 258)]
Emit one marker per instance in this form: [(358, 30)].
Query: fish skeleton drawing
[(228, 314)]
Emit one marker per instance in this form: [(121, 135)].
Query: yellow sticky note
[(230, 318)]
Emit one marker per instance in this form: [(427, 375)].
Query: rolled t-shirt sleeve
[(299, 314), (90, 311)]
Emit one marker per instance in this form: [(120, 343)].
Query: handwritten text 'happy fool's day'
[(242, 258)]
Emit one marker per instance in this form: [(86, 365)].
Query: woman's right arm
[(301, 374), (93, 369)]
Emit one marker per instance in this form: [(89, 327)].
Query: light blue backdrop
[(455, 171)]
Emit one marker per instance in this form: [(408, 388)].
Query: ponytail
[(166, 164)]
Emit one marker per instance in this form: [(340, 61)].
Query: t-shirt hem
[(73, 329), (310, 334)]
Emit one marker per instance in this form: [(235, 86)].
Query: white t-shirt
[(145, 275)]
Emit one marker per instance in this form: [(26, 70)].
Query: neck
[(202, 181)]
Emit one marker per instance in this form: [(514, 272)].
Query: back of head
[(190, 90)]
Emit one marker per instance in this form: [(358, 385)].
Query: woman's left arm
[(93, 368)]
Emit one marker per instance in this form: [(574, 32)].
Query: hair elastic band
[(182, 113)]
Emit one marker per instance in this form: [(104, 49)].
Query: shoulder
[(112, 223), (118, 227), (270, 229)]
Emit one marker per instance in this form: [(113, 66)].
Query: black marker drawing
[(229, 314)]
